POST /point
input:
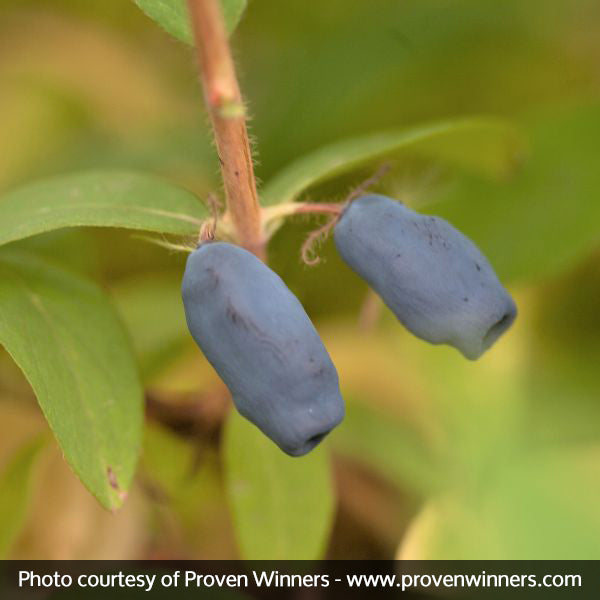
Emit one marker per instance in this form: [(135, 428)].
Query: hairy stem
[(227, 113), (281, 211)]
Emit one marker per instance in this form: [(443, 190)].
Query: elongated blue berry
[(259, 339), (433, 278)]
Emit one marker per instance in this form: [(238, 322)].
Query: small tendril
[(362, 187), (318, 236), (209, 227)]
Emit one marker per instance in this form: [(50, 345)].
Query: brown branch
[(226, 109)]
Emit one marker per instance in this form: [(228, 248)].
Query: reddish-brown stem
[(226, 109), (325, 208)]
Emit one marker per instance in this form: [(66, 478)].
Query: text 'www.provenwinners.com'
[(270, 579)]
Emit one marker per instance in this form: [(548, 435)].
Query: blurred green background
[(438, 457)]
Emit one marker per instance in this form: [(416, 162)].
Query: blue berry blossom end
[(261, 342), (431, 276)]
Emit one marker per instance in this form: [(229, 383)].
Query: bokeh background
[(438, 457)]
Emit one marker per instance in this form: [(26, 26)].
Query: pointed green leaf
[(172, 15), (65, 336), (15, 484), (99, 199), (282, 506), (486, 145)]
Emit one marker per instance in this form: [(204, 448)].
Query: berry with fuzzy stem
[(433, 278), (259, 339)]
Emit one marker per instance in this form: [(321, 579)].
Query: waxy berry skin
[(259, 339), (433, 278)]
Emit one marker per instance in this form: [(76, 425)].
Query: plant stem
[(322, 208), (227, 113), (280, 211)]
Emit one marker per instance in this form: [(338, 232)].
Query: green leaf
[(172, 15), (547, 217), (282, 506), (100, 199), (486, 145), (64, 334), (15, 484)]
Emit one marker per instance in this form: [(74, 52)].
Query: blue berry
[(433, 278), (259, 339)]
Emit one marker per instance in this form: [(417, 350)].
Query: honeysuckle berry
[(433, 278), (259, 339)]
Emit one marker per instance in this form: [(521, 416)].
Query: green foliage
[(549, 212), (502, 454), (100, 199), (172, 15), (282, 506), (15, 484), (514, 486), (348, 71), (65, 336), (481, 144)]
